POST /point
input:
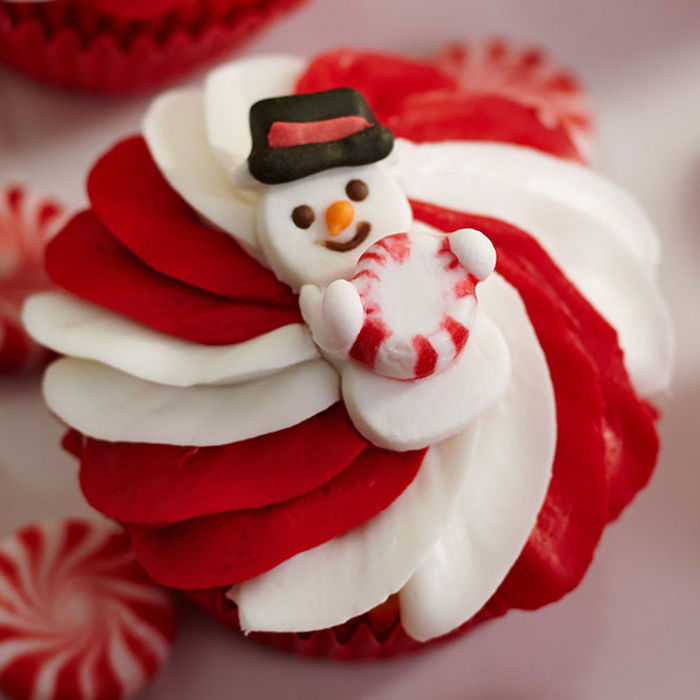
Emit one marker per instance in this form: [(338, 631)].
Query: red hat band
[(286, 134)]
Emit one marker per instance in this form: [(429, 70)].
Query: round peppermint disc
[(79, 620), (27, 223), (525, 75), (419, 303)]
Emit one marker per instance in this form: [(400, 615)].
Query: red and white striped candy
[(419, 300), (524, 75), (79, 619), (27, 222)]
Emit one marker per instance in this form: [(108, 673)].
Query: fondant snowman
[(335, 225)]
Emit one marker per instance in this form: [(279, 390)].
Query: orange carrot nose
[(339, 216)]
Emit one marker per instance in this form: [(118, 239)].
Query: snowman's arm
[(475, 251), (335, 316)]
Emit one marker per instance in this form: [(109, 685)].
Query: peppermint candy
[(79, 619), (524, 75), (419, 300), (27, 222)]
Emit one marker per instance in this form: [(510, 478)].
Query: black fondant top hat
[(299, 135)]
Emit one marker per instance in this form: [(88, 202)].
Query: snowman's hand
[(335, 316), (474, 251)]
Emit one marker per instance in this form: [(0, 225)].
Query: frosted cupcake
[(125, 45), (359, 357)]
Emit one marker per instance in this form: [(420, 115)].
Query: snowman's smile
[(361, 232)]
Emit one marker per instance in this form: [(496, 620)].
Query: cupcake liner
[(377, 634), (113, 56)]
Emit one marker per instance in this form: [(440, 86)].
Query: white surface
[(631, 629)]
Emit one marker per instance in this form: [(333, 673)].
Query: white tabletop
[(632, 629)]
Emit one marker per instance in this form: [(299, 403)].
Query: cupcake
[(358, 356), (118, 46)]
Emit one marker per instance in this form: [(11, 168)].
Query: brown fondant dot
[(303, 216), (357, 190)]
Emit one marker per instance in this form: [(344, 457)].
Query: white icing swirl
[(110, 405), (71, 326)]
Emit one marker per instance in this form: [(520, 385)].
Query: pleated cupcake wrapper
[(361, 638), (106, 61)]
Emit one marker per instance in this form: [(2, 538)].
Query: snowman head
[(329, 198)]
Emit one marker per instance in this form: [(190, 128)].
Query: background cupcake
[(112, 46)]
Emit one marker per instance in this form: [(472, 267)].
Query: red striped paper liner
[(377, 634), (109, 57)]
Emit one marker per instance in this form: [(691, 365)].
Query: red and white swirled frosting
[(241, 458)]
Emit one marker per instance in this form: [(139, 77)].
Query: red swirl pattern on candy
[(79, 620), (525, 75), (207, 517), (411, 354), (27, 222)]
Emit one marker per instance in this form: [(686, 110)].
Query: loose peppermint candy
[(419, 299), (79, 620), (524, 75), (27, 222)]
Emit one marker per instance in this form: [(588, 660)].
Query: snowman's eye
[(303, 216), (357, 190)]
